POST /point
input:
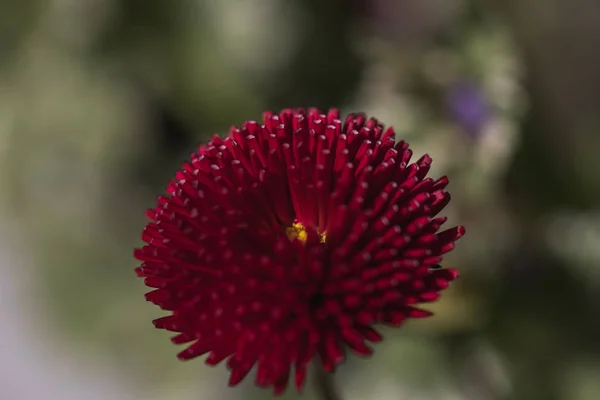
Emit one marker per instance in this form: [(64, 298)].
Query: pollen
[(298, 231)]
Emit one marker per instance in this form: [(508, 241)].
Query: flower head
[(289, 240)]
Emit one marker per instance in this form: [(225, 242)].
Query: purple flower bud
[(468, 107)]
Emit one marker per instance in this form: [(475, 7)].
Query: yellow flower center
[(298, 231)]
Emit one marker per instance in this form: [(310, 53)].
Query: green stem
[(324, 384)]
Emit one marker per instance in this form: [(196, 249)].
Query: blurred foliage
[(102, 100)]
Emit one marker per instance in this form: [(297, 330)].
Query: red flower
[(289, 240)]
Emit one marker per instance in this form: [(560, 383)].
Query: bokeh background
[(101, 100)]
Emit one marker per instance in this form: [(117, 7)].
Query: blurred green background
[(101, 101)]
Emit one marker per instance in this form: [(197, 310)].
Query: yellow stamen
[(298, 231)]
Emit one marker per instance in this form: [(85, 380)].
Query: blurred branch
[(559, 45), (324, 70)]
